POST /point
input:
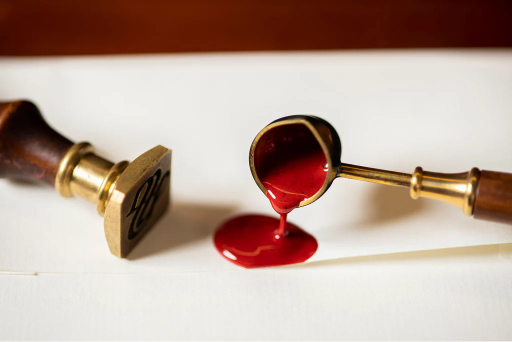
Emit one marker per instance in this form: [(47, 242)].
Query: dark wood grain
[(494, 197), (63, 27), (29, 148)]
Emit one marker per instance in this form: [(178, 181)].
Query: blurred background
[(62, 27)]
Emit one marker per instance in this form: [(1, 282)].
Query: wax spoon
[(485, 194)]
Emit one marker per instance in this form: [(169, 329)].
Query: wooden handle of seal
[(493, 201), (29, 148)]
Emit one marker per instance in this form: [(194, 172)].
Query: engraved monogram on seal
[(144, 202)]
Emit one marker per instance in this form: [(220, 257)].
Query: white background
[(443, 110)]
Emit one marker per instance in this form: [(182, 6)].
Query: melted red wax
[(290, 164), (252, 241)]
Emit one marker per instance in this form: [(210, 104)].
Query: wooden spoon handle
[(29, 148), (493, 200)]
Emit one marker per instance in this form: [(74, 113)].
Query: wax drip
[(290, 164)]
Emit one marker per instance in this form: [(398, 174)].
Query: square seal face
[(140, 197)]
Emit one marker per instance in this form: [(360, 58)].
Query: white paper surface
[(459, 294), (446, 111)]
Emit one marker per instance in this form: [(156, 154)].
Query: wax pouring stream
[(291, 165), (485, 194)]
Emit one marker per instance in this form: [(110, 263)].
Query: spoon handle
[(494, 197), (369, 174), (485, 194)]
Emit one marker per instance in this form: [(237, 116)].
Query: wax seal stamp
[(130, 196)]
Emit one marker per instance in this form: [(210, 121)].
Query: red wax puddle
[(290, 164), (251, 241)]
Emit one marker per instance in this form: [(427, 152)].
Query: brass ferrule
[(458, 189), (84, 174)]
